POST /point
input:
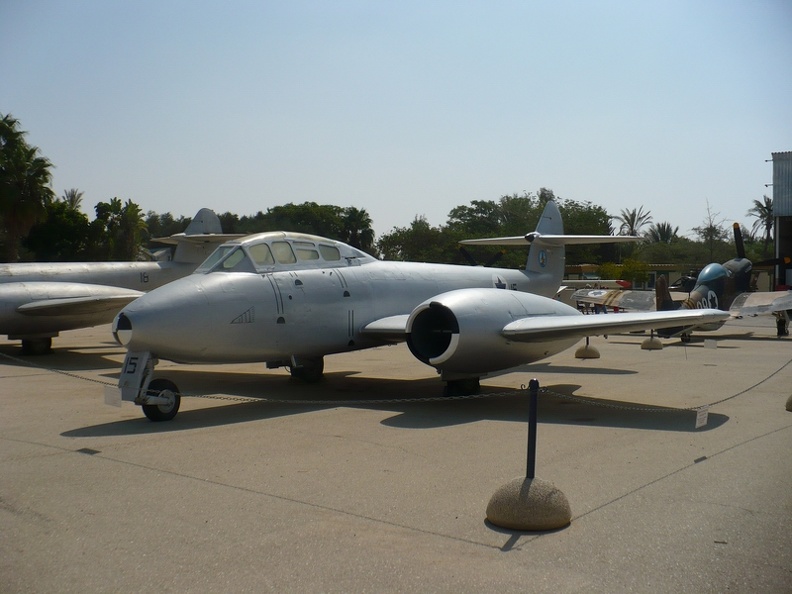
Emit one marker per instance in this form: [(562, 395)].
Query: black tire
[(36, 346), (309, 371), (463, 387), (162, 412)]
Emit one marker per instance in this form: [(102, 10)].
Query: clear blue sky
[(404, 108)]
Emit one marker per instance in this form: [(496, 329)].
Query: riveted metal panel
[(782, 184)]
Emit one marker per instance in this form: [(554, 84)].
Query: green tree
[(73, 198), (635, 271), (308, 217), (507, 216), (25, 191), (609, 270), (117, 231), (585, 218), (632, 221), (763, 211), (164, 225), (356, 229), (63, 237), (420, 242), (661, 233)]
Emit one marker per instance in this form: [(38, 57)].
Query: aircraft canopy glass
[(269, 254), (712, 272)]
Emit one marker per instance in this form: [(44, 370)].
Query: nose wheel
[(167, 390)]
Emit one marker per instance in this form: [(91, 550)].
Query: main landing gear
[(463, 387), (309, 370), (37, 346)]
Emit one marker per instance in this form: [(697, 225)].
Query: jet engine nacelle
[(460, 332)]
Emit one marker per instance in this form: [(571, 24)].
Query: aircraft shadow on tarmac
[(86, 358), (280, 396)]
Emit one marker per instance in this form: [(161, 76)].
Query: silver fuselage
[(248, 316), (22, 284)]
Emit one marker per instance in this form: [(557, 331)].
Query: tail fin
[(204, 222), (547, 256), (199, 240), (663, 301)]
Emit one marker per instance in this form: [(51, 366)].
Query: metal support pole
[(533, 387)]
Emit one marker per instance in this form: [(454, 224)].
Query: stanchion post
[(533, 389)]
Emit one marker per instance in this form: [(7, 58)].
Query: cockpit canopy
[(712, 272), (278, 250)]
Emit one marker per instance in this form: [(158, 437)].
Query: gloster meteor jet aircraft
[(289, 299)]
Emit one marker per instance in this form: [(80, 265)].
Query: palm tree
[(763, 211), (633, 220), (73, 198), (357, 229), (25, 178), (661, 233)]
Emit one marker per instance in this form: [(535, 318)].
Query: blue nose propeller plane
[(290, 299)]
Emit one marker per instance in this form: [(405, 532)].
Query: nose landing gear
[(166, 390)]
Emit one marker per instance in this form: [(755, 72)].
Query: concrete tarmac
[(353, 485)]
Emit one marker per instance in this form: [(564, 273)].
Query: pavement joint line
[(678, 470), (326, 508)]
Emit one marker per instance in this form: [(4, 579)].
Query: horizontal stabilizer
[(552, 240), (205, 227)]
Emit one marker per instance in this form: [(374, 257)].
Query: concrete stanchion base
[(587, 352), (789, 404), (529, 504), (652, 344)]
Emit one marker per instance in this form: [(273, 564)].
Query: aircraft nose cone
[(122, 329)]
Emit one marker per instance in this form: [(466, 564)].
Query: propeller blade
[(738, 241)]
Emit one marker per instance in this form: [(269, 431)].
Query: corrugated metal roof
[(782, 184)]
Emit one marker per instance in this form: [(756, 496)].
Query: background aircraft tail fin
[(199, 240), (547, 255), (663, 301), (205, 222)]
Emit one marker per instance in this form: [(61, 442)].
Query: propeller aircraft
[(727, 286), (39, 300), (289, 299)]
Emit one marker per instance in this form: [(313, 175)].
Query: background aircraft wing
[(393, 328), (548, 327), (754, 304), (107, 300), (635, 300)]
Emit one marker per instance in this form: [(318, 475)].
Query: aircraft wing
[(761, 303), (540, 328), (109, 299), (636, 300), (393, 328)]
